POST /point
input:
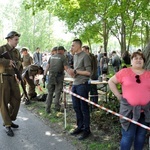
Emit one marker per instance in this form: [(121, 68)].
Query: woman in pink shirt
[(134, 101)]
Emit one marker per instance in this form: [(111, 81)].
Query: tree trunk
[(146, 53), (105, 35), (147, 34), (123, 36)]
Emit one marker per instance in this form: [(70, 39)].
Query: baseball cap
[(12, 34), (61, 48)]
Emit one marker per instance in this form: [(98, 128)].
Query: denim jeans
[(134, 133), (81, 107), (98, 71)]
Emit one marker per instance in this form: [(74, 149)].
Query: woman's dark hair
[(40, 68), (137, 53), (86, 47), (105, 54)]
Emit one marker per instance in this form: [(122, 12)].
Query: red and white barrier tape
[(106, 109)]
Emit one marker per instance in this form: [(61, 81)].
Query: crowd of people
[(81, 65)]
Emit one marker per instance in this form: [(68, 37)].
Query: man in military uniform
[(26, 58), (56, 65), (9, 88), (29, 76)]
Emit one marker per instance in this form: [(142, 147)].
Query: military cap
[(12, 34), (61, 48), (23, 49), (54, 49)]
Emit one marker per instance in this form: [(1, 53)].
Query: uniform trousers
[(31, 89), (54, 88), (9, 99)]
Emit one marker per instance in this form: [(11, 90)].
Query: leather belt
[(6, 74)]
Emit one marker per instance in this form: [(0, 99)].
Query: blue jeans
[(98, 71), (81, 107), (134, 133)]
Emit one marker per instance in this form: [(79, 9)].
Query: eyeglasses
[(138, 79)]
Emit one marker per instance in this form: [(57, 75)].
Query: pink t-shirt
[(135, 93)]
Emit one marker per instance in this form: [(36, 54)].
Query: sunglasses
[(138, 79)]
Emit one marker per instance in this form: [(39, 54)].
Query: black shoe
[(84, 135), (27, 102), (9, 131), (57, 109), (48, 111), (14, 125), (76, 131)]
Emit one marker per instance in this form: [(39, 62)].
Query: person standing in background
[(126, 58), (70, 59), (104, 64), (26, 58), (93, 88), (116, 62), (37, 57), (10, 96), (100, 55)]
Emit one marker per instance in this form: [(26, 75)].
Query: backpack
[(104, 65)]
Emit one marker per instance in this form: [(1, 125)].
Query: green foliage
[(93, 20), (103, 146), (32, 33)]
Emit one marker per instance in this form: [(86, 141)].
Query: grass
[(101, 138)]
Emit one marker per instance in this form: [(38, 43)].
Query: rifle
[(6, 55)]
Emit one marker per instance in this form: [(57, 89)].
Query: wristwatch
[(75, 71)]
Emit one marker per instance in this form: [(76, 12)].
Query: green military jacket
[(4, 63), (26, 61), (31, 70)]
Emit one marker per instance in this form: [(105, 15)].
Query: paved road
[(32, 134)]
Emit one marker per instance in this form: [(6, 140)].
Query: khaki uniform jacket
[(4, 63)]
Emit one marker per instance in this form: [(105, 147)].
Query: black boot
[(9, 131)]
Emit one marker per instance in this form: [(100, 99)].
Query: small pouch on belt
[(1, 78)]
